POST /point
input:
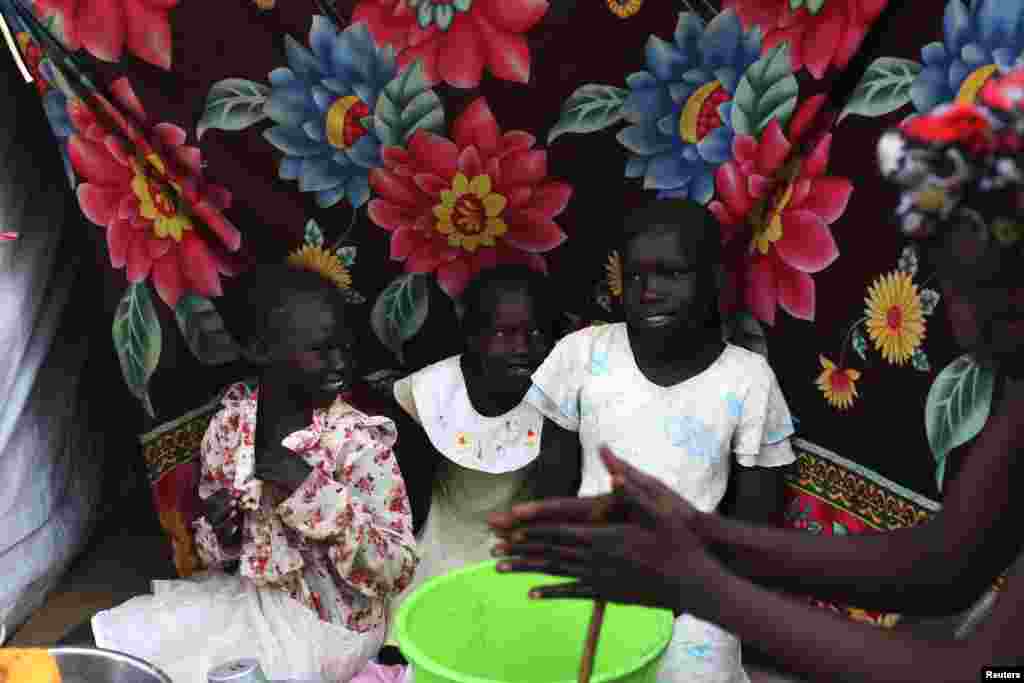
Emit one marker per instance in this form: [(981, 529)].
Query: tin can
[(239, 671)]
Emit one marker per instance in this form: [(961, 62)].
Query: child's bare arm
[(558, 469), (757, 494)]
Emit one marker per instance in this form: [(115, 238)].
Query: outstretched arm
[(824, 646), (936, 568), (648, 554)]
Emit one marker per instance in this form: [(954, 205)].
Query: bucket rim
[(421, 660)]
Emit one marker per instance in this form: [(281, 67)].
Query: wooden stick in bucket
[(590, 647)]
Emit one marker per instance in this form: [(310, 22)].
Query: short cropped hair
[(698, 229), (478, 300), (247, 306)]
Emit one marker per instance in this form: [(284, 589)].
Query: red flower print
[(345, 517), (456, 39), (360, 577), (456, 207), (963, 123), (365, 484), (151, 228), (817, 41), (397, 505), (1004, 93), (106, 28), (33, 58), (775, 212)]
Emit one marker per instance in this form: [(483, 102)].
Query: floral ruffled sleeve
[(226, 464), (355, 500)]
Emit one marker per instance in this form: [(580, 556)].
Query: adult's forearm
[(824, 646), (906, 570)]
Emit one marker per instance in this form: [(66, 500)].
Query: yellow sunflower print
[(895, 319), (839, 385), (613, 274), (326, 263), (624, 9)]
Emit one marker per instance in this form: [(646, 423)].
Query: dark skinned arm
[(274, 463), (559, 468), (934, 569), (824, 646), (419, 462), (756, 495)]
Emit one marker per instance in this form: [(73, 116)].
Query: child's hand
[(281, 466), (221, 511)]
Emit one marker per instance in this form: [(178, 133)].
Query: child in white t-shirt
[(667, 395)]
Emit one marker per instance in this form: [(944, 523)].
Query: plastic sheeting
[(49, 465)]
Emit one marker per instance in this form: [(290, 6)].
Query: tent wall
[(50, 448)]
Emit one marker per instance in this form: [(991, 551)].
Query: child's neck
[(673, 358), (485, 400)]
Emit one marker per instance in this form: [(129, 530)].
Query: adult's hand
[(633, 546)]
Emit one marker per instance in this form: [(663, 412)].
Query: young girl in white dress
[(484, 448), (307, 531), (667, 395)]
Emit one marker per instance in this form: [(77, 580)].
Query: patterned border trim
[(177, 445), (178, 441), (871, 475), (856, 490), (176, 423)]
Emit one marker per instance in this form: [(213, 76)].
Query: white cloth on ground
[(188, 627)]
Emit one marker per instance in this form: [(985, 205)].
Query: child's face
[(512, 347), (312, 347), (662, 289)]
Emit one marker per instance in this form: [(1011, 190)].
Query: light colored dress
[(687, 435), (487, 462), (317, 568)]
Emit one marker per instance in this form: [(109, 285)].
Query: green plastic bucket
[(478, 626)]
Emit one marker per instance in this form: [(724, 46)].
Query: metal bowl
[(93, 665)]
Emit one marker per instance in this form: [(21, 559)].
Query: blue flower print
[(693, 436), (702, 651), (680, 107), (323, 104), (979, 38), (734, 406), (783, 431), (55, 104), (570, 408), (599, 363)]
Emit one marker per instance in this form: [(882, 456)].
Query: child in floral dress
[(302, 493)]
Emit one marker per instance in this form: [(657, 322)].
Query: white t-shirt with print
[(687, 435)]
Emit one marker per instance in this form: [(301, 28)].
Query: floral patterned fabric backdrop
[(401, 146)]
